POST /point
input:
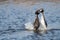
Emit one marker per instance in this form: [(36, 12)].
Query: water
[(14, 16)]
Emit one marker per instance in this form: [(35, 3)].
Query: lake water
[(14, 16)]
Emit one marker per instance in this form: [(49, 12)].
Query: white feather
[(42, 24)]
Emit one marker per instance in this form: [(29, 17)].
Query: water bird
[(37, 23)]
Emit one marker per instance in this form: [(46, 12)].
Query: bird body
[(38, 23)]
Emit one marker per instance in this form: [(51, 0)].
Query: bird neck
[(36, 16), (43, 21), (43, 16)]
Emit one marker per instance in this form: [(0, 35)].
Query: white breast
[(42, 23)]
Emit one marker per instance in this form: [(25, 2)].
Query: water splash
[(29, 26)]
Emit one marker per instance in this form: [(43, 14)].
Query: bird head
[(39, 11)]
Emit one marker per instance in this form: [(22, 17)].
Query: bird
[(37, 24)]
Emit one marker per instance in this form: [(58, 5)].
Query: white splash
[(29, 26)]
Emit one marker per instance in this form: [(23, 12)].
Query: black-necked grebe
[(37, 23)]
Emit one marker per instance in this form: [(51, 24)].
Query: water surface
[(14, 16)]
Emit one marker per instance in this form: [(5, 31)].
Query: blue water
[(14, 16)]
